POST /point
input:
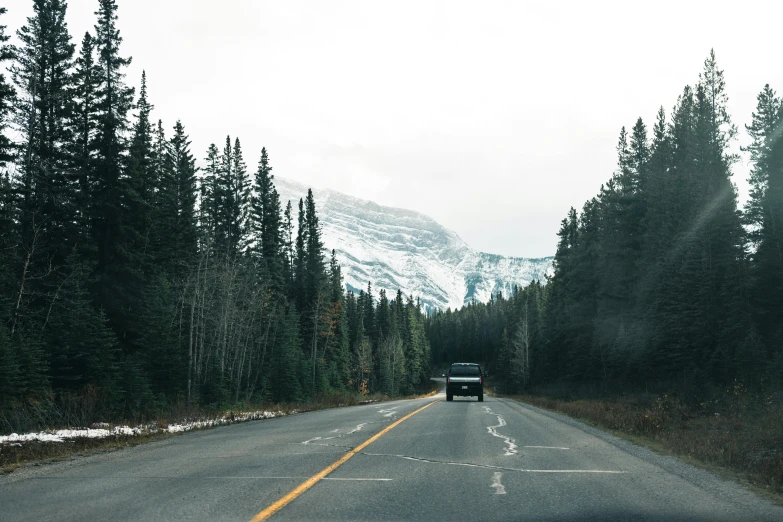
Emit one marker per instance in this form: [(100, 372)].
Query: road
[(460, 460)]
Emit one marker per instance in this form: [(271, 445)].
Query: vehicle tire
[(481, 397), (449, 397)]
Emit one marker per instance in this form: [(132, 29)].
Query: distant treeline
[(661, 279), (131, 279)]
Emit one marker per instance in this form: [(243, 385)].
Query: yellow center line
[(307, 484)]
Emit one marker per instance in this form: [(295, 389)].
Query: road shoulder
[(728, 488)]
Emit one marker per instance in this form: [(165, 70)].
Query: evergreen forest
[(661, 281), (132, 281)]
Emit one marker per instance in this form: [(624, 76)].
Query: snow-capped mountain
[(396, 248)]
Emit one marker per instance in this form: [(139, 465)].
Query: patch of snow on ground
[(127, 431)]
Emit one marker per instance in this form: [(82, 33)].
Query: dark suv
[(465, 380)]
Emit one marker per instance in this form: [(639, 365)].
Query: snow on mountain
[(396, 248)]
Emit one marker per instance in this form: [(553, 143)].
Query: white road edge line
[(547, 447), (500, 489)]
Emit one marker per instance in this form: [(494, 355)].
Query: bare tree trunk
[(525, 347), (316, 317), (262, 358), (194, 300), (393, 364), (181, 310), (30, 253), (54, 299), (520, 351), (202, 324), (241, 363)]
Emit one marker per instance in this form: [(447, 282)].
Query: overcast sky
[(492, 117)]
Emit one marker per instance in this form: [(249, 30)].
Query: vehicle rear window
[(465, 369)]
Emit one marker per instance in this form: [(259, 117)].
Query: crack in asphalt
[(312, 442), (309, 443), (388, 412), (511, 446), (488, 466), (500, 489)]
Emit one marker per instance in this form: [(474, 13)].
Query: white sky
[(492, 117)]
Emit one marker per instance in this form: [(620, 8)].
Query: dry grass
[(14, 456), (740, 434)]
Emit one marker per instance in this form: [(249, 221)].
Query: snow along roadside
[(102, 430)]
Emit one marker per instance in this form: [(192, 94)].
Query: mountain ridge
[(396, 248)]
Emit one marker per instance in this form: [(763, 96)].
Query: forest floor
[(738, 436), (60, 443)]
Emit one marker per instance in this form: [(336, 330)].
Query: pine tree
[(141, 181), (9, 370), (211, 198), (369, 314), (763, 132), (288, 249), (84, 125), (240, 199), (764, 214), (659, 192), (314, 289), (43, 214), (227, 204), (340, 359), (274, 232), (639, 154), (300, 294), (7, 98), (314, 263), (234, 191), (265, 223), (616, 217), (164, 202), (140, 154), (259, 203), (184, 238), (413, 342), (8, 203), (117, 271), (722, 239), (560, 325), (372, 334), (43, 110), (383, 315)]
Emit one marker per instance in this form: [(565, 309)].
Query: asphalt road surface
[(460, 460)]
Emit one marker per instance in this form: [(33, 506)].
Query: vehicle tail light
[(481, 379), (447, 379)]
